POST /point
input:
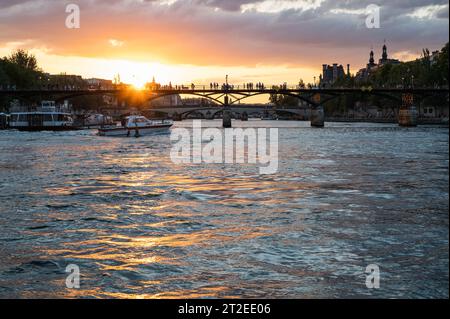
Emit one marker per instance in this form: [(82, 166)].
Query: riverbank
[(420, 121)]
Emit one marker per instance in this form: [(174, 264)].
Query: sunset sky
[(200, 41)]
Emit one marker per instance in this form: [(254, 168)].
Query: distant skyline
[(187, 41)]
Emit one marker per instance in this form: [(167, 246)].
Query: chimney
[(348, 69), (335, 72), (324, 71)]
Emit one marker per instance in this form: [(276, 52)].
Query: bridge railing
[(197, 87), (207, 87), (230, 87)]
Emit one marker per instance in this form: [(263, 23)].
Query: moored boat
[(47, 117), (136, 126)]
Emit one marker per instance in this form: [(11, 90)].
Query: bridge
[(238, 111), (229, 95)]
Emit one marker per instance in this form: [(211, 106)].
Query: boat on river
[(46, 117), (136, 126)]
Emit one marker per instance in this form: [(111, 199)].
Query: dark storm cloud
[(8, 3)]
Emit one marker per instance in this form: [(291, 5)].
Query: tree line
[(19, 70)]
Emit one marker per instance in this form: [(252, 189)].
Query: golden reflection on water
[(177, 240), (213, 292), (117, 252), (140, 226)]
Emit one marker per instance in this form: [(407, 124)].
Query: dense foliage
[(20, 70)]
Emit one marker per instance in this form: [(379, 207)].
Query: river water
[(139, 226)]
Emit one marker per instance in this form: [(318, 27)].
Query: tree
[(301, 84), (20, 70), (4, 78), (442, 67), (24, 60)]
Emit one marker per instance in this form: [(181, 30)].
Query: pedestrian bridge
[(236, 111), (229, 95)]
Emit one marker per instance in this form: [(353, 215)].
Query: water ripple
[(139, 226)]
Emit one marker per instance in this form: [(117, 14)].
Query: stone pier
[(226, 122), (407, 116), (177, 117), (317, 116)]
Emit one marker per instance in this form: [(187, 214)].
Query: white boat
[(136, 126), (47, 117)]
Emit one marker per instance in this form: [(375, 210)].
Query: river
[(139, 226)]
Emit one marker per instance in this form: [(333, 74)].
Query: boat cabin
[(48, 116)]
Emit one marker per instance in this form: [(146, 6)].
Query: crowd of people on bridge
[(226, 86), (251, 86)]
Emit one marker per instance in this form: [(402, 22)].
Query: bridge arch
[(298, 96), (207, 96), (198, 110)]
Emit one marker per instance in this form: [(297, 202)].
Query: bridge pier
[(176, 116), (317, 116), (209, 115), (407, 116), (226, 122), (226, 118)]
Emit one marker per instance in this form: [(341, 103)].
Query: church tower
[(371, 60), (384, 56)]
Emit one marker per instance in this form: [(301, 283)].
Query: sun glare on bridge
[(138, 84), (139, 74)]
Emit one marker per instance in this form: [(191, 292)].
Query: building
[(165, 101), (331, 73), (100, 84), (384, 58), (198, 101), (363, 74)]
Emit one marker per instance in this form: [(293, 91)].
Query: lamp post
[(226, 114)]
